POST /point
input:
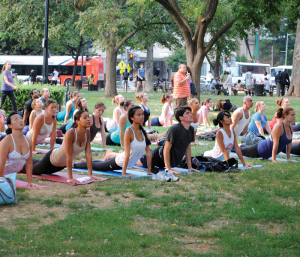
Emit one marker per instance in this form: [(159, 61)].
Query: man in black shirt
[(33, 76), (178, 143), (278, 81), (33, 93), (285, 81)]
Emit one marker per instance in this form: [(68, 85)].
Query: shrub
[(57, 93)]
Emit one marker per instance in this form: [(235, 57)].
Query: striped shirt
[(183, 90)]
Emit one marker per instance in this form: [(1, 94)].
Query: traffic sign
[(122, 65), (128, 68), (122, 71)]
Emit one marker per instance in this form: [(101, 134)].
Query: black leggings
[(250, 151), (43, 166), (11, 96), (108, 165), (110, 142), (156, 160), (63, 128), (295, 149), (296, 127)]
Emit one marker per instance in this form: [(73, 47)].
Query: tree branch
[(77, 8), (209, 61)]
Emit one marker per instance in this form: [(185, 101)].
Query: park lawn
[(247, 213)]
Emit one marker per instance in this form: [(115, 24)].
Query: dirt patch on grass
[(202, 245), (272, 228), (210, 226)]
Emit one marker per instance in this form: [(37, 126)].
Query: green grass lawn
[(251, 213)]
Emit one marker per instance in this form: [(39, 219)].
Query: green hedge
[(57, 93)]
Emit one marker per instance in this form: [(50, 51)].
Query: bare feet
[(82, 160)]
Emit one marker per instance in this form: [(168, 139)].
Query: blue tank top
[(265, 147), (115, 136), (146, 114), (61, 115)]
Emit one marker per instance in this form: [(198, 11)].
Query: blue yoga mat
[(247, 168), (184, 171), (116, 173)]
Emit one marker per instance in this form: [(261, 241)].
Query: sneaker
[(170, 175), (161, 176)]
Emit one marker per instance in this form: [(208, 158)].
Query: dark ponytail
[(8, 121), (131, 113), (220, 117)]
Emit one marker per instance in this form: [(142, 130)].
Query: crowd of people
[(126, 129)]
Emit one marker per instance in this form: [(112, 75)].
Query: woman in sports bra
[(43, 126), (111, 125), (15, 149), (204, 112), (136, 142), (68, 112), (117, 138), (225, 139), (167, 112), (143, 98), (76, 141), (281, 137)]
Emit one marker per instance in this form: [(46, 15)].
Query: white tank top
[(195, 124), (216, 151), (44, 132), (111, 124), (170, 114), (242, 123), (137, 149), (15, 161)]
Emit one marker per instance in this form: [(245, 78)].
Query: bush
[(57, 93)]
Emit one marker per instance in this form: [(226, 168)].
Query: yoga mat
[(241, 167), (40, 150), (184, 171), (234, 155), (95, 149), (62, 177), (116, 173), (20, 183)]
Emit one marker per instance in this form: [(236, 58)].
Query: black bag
[(125, 75), (210, 136), (150, 131), (193, 88), (162, 141), (209, 164)]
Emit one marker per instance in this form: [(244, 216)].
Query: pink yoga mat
[(20, 183), (62, 177), (39, 150)]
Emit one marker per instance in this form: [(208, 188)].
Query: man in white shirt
[(208, 77), (249, 81), (266, 85), (55, 77), (228, 83)]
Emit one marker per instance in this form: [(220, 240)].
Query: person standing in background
[(125, 77), (228, 83), (91, 79), (141, 77), (208, 78), (249, 82), (55, 77), (285, 81), (33, 76), (278, 80), (181, 87), (8, 86), (223, 77)]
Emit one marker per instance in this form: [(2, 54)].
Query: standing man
[(33, 76), (278, 82), (45, 94), (241, 117), (249, 82), (34, 94), (125, 77), (228, 83), (55, 77), (141, 77), (181, 87), (285, 81), (208, 78)]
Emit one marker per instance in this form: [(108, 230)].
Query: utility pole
[(45, 45)]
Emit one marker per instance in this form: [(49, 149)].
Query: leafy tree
[(178, 57), (242, 58)]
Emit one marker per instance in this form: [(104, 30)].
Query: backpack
[(210, 136), (209, 164), (193, 89), (125, 75)]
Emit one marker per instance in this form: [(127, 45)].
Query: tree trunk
[(111, 74), (295, 82), (76, 60), (217, 66), (149, 69)]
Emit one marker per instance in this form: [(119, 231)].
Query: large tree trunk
[(217, 66), (295, 82), (76, 60), (149, 69), (111, 74)]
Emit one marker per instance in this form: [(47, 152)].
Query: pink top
[(272, 123), (203, 107), (2, 120)]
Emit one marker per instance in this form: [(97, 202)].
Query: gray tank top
[(58, 157)]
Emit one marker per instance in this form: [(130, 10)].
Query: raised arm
[(37, 124), (236, 117), (29, 165), (88, 155), (165, 112), (219, 137), (259, 127), (69, 107), (239, 152), (53, 135), (4, 151), (276, 133), (205, 117), (69, 140), (149, 159), (31, 119), (123, 120), (127, 140), (117, 114)]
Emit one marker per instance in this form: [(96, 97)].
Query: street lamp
[(45, 45)]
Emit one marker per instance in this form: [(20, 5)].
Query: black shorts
[(141, 79), (156, 160)]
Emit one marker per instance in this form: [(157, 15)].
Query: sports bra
[(170, 114), (146, 114), (61, 115), (93, 129), (58, 156), (44, 132), (15, 161)]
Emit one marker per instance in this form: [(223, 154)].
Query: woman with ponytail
[(135, 141), (281, 137), (259, 120), (68, 112), (76, 141), (204, 112), (225, 139), (111, 125), (15, 149), (167, 112), (43, 126)]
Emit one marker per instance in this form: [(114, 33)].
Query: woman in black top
[(143, 98), (98, 125)]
